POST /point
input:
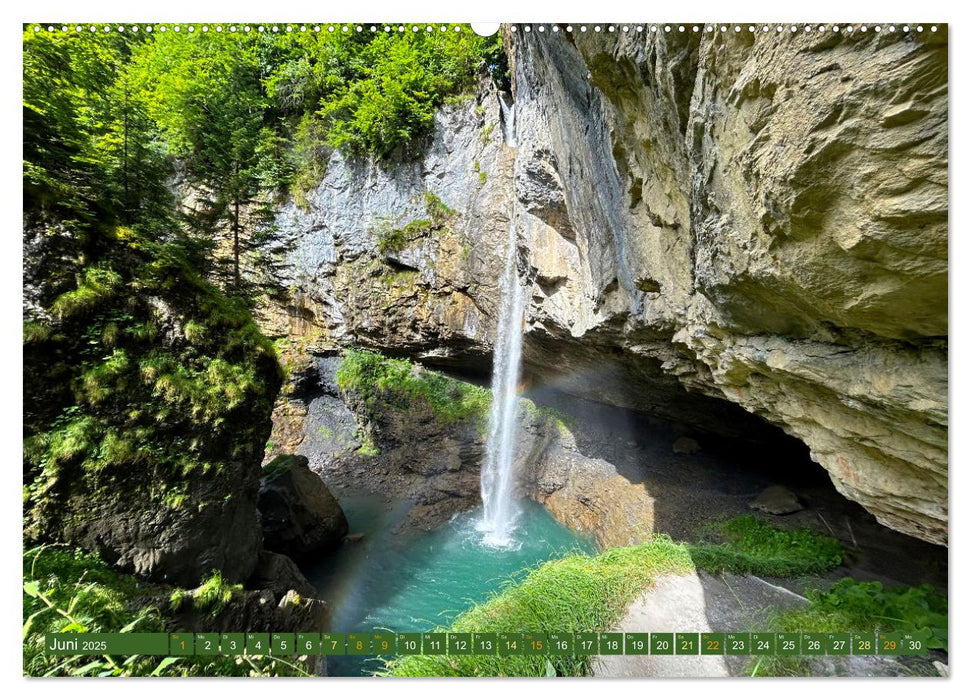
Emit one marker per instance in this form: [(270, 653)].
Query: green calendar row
[(488, 643)]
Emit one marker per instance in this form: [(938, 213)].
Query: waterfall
[(500, 510), (508, 120)]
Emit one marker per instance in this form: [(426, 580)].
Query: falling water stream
[(508, 120), (499, 508)]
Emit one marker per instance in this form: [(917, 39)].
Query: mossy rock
[(146, 416)]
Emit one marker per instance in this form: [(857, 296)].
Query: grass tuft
[(750, 545), (211, 596)]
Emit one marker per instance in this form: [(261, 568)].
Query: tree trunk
[(236, 277)]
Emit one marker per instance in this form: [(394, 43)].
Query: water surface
[(415, 582)]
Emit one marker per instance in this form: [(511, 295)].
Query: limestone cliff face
[(703, 220), (366, 263)]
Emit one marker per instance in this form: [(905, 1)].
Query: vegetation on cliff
[(142, 374), (373, 377), (393, 237)]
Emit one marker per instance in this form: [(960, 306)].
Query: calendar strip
[(488, 644)]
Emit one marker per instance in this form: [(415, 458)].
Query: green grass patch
[(438, 210), (747, 544), (575, 594), (561, 419), (400, 384), (851, 606)]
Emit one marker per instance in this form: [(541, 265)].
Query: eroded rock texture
[(706, 222)]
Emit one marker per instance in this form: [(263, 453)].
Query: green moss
[(393, 238), (578, 593), (96, 285), (562, 421), (113, 407), (368, 448), (437, 209), (280, 464), (390, 238), (750, 545), (486, 132), (398, 383), (482, 178)]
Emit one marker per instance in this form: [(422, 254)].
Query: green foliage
[(69, 590), (140, 371), (205, 93), (96, 285), (246, 115), (211, 596), (437, 209), (90, 150), (376, 93), (392, 240), (750, 545), (579, 593), (399, 383), (368, 448), (497, 62), (562, 420), (852, 605)]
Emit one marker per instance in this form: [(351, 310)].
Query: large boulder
[(301, 518), (169, 542)]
